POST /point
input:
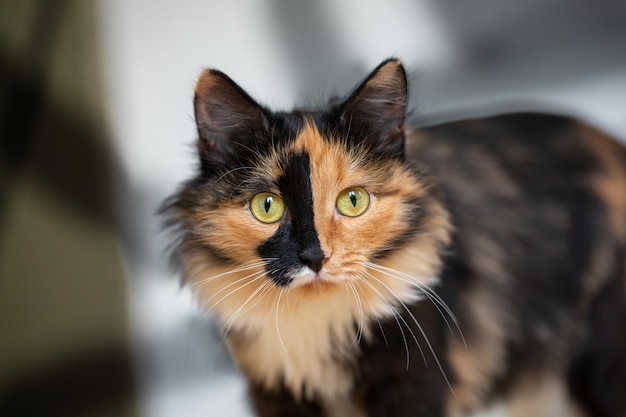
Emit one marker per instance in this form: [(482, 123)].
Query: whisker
[(408, 311), (380, 326), (282, 290), (255, 277), (426, 290), (268, 285), (288, 306), (239, 311), (396, 315), (235, 282), (225, 287), (207, 311), (229, 172), (359, 332), (267, 316), (430, 347), (244, 267), (437, 301), (236, 188)]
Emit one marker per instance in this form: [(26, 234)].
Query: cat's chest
[(307, 339), (306, 348)]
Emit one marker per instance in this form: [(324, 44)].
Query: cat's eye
[(353, 201), (267, 207)]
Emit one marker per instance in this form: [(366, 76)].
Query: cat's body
[(359, 270)]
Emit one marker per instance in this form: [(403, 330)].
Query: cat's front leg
[(281, 403)]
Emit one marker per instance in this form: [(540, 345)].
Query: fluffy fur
[(490, 261)]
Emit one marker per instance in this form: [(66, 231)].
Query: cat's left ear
[(375, 112)]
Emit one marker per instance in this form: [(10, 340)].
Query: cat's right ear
[(228, 119)]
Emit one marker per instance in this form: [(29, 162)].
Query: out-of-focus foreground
[(64, 340)]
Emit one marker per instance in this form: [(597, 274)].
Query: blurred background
[(96, 129)]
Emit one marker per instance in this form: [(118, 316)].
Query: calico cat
[(359, 268)]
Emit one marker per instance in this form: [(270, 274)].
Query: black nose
[(313, 257)]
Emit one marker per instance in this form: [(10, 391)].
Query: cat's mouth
[(305, 276)]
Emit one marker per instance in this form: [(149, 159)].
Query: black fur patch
[(295, 243)]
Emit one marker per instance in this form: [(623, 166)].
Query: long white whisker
[(426, 290), (268, 285), (430, 346), (229, 172), (380, 325), (244, 267), (277, 326), (252, 278), (432, 296), (359, 332), (267, 316), (225, 287), (394, 273), (396, 315), (402, 318), (239, 311), (288, 306)]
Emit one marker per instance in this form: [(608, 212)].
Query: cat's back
[(527, 159), (539, 207)]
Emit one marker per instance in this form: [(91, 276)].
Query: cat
[(362, 268)]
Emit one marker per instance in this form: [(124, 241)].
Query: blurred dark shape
[(23, 90), (85, 384), (65, 151), (62, 291)]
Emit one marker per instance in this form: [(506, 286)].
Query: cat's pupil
[(268, 203), (352, 198)]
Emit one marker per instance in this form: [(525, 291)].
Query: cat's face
[(306, 201)]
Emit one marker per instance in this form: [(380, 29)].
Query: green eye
[(353, 201), (267, 207)]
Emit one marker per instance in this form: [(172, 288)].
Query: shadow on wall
[(62, 301)]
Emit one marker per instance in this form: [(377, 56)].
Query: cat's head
[(316, 203)]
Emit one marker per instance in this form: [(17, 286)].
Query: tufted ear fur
[(227, 119), (376, 110)]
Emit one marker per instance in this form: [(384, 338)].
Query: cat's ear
[(376, 110), (226, 116)]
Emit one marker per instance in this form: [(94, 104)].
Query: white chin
[(306, 275)]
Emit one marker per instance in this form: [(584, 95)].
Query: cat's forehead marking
[(330, 160), (331, 168), (321, 179), (310, 140)]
